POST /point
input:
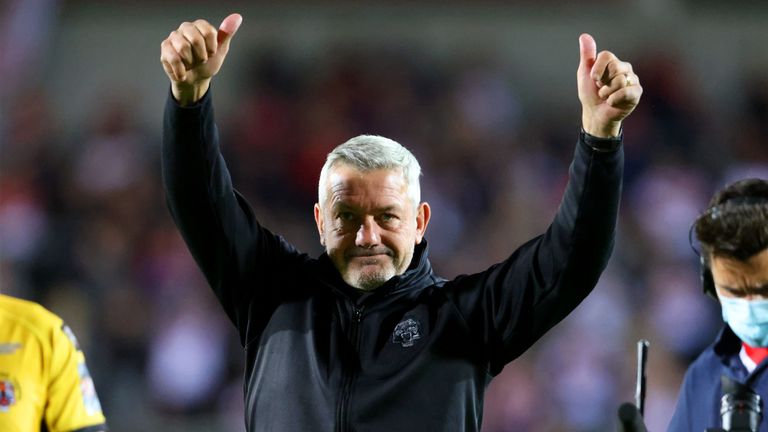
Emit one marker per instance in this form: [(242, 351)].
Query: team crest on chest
[(407, 332), (9, 392)]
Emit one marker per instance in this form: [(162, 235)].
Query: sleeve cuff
[(602, 145), (203, 100)]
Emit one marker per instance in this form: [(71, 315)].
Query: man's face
[(368, 224), (741, 279)]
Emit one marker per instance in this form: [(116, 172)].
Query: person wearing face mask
[(733, 233)]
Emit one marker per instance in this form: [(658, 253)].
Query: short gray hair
[(372, 152)]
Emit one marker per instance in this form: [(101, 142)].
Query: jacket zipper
[(346, 388)]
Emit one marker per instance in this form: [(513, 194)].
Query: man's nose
[(368, 233)]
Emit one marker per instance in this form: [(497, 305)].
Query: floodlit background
[(483, 92)]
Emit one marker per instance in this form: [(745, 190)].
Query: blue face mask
[(747, 318)]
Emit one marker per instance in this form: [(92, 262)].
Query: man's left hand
[(608, 89)]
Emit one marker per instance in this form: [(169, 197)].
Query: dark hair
[(735, 225)]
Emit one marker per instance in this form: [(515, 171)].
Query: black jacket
[(414, 355)]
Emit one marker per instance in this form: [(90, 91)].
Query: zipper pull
[(357, 314)]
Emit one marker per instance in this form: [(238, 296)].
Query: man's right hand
[(192, 54)]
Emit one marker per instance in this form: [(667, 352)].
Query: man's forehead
[(380, 187), (729, 270), (346, 176)]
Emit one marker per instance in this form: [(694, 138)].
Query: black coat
[(415, 354)]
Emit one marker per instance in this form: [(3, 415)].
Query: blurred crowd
[(84, 228)]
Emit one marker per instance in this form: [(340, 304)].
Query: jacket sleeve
[(698, 404), (513, 303), (239, 258), (680, 419), (72, 403)]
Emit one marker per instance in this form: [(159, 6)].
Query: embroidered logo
[(8, 392), (406, 332)]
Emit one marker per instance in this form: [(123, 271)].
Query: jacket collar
[(727, 347), (727, 343)]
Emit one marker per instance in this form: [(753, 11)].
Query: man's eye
[(738, 293), (345, 216), (387, 217)]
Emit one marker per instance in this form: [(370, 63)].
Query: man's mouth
[(368, 253)]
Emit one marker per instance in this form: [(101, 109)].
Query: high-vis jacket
[(44, 382), (417, 353)]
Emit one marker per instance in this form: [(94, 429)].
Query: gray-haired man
[(366, 337)]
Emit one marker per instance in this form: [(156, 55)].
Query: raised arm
[(235, 253), (513, 303)]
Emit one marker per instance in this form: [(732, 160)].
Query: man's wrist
[(600, 129), (602, 144), (186, 94)]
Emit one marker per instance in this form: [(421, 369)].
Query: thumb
[(587, 52), (228, 28)]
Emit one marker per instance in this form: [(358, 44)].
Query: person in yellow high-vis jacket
[(44, 382)]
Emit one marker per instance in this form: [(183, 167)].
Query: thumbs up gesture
[(608, 89), (192, 54)]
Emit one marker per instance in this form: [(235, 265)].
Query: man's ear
[(423, 212), (320, 223)]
